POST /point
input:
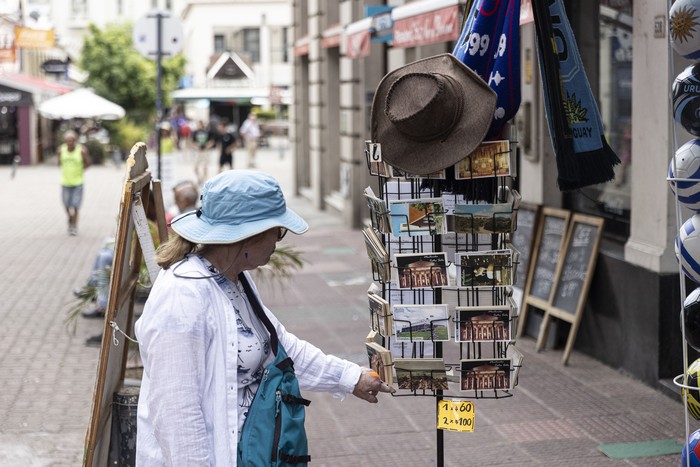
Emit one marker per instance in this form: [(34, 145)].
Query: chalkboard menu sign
[(549, 242), (522, 239), (573, 277), (581, 248)]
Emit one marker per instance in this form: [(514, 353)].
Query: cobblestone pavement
[(558, 415)]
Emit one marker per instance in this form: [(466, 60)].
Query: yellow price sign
[(455, 415)]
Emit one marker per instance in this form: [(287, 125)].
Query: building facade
[(341, 52)]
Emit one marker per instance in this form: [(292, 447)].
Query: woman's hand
[(369, 385)]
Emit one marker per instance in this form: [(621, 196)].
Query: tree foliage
[(119, 73)]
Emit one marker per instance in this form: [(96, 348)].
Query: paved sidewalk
[(558, 415)]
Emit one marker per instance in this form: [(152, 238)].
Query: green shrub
[(125, 133), (96, 151), (264, 114)]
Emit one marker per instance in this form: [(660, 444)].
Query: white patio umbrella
[(81, 103)]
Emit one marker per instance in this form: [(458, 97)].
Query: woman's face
[(261, 247)]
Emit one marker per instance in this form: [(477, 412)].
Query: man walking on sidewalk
[(250, 132), (73, 159)]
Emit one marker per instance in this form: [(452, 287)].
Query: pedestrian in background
[(203, 344), (226, 140), (73, 159), (250, 132), (203, 142), (186, 196)]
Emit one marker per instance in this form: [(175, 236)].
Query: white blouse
[(188, 413)]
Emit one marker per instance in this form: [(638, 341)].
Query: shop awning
[(232, 95), (41, 88), (357, 38), (301, 46), (332, 36), (426, 22)]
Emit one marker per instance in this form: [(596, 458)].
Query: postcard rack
[(445, 240)]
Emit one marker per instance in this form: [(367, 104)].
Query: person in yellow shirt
[(73, 159)]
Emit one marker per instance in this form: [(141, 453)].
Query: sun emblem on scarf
[(575, 113), (683, 24)]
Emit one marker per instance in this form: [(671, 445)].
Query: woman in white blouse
[(202, 346)]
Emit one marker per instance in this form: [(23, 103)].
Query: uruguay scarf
[(575, 126), (489, 44)]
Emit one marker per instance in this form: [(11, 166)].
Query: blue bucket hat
[(237, 204)]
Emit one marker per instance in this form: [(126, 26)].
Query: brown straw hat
[(430, 114)]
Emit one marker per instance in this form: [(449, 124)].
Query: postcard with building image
[(417, 374), (483, 218), (421, 270), (380, 360), (489, 159), (483, 324), (421, 322), (485, 374), (417, 217), (492, 268), (380, 314)]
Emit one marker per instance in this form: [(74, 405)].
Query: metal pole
[(159, 91)]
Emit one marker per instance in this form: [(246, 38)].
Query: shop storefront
[(631, 317), (23, 134)]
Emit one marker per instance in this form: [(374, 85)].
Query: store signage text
[(428, 28)]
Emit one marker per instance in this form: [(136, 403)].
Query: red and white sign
[(427, 28), (332, 36), (526, 15), (301, 46), (357, 38)]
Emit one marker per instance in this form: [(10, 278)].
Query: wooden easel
[(124, 278), (573, 278)]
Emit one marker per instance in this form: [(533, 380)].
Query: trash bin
[(122, 443)]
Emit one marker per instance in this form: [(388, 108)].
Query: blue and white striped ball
[(685, 94), (684, 28), (687, 162), (688, 248)]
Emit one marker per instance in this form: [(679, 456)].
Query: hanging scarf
[(489, 44), (575, 126)]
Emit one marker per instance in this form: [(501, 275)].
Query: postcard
[(419, 270), (489, 159), (378, 212), (492, 268), (380, 315), (483, 324), (421, 322), (417, 374), (483, 218), (380, 360), (416, 217), (381, 264), (486, 374)]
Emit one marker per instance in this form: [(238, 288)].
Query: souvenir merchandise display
[(449, 294), (683, 177)]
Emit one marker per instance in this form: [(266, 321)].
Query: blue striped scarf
[(575, 126)]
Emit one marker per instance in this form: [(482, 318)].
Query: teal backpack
[(273, 433)]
